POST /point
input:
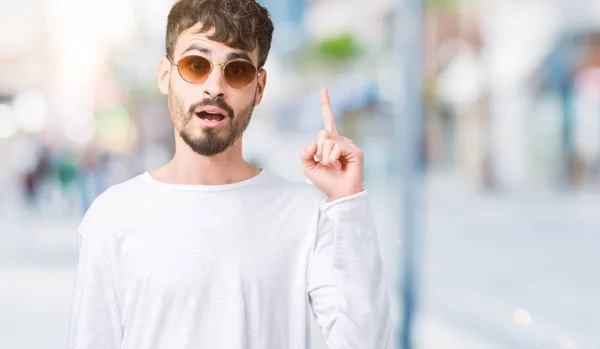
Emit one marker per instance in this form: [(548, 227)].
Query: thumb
[(307, 155)]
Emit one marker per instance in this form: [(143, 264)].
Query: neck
[(188, 167)]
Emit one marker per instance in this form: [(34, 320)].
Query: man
[(211, 252)]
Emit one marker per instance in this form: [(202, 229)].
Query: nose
[(214, 86)]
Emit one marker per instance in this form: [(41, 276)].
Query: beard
[(210, 141)]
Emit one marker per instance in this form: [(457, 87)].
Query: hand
[(334, 163)]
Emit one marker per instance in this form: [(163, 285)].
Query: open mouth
[(208, 116)]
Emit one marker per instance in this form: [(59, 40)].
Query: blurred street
[(480, 289), (504, 134), (510, 271)]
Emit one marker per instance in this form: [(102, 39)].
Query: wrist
[(340, 195)]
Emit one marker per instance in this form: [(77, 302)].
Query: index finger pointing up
[(328, 117)]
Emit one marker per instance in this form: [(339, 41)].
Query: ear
[(262, 82), (164, 74)]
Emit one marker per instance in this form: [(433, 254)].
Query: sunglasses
[(196, 69)]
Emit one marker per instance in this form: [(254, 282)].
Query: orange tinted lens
[(194, 69), (239, 73)]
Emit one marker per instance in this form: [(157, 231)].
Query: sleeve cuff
[(349, 207)]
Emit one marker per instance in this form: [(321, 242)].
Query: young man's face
[(190, 104)]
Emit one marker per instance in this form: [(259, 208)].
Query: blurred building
[(511, 106)]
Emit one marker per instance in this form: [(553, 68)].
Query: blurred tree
[(342, 47), (334, 51), (441, 4)]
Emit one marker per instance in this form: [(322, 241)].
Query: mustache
[(216, 102)]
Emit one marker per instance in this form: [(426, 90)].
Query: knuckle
[(323, 134)]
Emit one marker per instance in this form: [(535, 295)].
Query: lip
[(212, 124), (211, 109)]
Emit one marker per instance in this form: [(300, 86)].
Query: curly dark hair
[(237, 23)]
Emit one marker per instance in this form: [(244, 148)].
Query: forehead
[(191, 37)]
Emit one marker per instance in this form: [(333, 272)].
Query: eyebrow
[(239, 55), (230, 56), (195, 47)]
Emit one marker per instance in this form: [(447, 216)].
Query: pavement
[(498, 271)]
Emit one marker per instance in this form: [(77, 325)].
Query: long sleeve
[(95, 321), (347, 290)]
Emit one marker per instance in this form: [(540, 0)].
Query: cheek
[(243, 100), (181, 95)]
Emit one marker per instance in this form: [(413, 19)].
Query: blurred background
[(504, 226)]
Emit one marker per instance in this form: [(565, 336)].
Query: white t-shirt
[(235, 266)]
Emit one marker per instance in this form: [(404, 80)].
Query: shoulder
[(108, 207), (303, 190)]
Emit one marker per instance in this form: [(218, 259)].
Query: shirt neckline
[(202, 187)]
